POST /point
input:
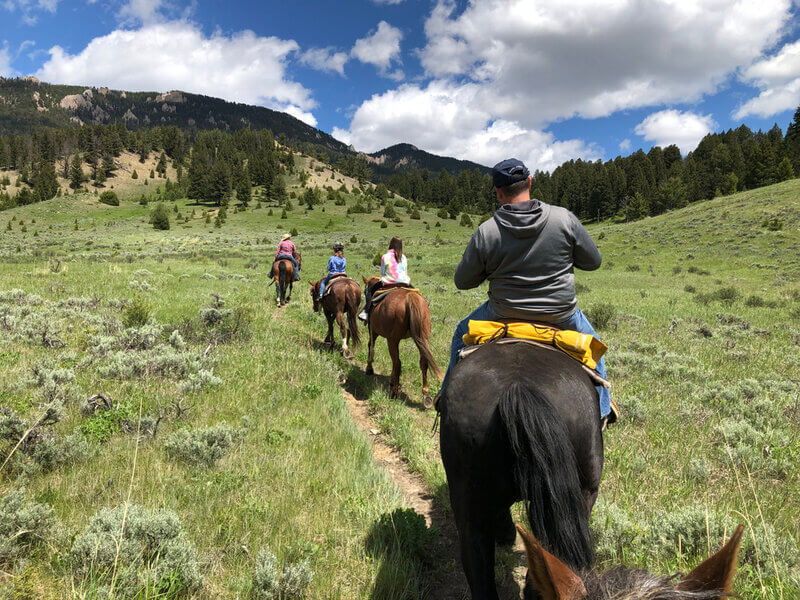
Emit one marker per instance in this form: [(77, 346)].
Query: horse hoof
[(427, 402)]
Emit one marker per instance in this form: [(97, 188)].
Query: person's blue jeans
[(577, 322), (293, 260)]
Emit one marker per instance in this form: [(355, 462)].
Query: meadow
[(151, 370)]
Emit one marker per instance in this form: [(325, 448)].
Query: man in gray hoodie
[(527, 252)]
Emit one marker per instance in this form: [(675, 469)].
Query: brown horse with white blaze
[(403, 313), (343, 298), (283, 275)]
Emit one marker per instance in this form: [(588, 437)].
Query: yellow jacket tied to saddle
[(582, 347)]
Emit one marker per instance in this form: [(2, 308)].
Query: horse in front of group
[(401, 314), (521, 422), (342, 297), (283, 276)]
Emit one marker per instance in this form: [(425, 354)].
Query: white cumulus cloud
[(144, 11), (684, 129), (242, 67), (325, 59), (5, 63), (778, 78), (560, 58), (380, 48), (29, 9), (447, 118)]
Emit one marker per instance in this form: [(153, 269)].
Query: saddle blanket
[(583, 347), (390, 287), (331, 281)]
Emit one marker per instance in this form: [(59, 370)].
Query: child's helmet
[(338, 246)]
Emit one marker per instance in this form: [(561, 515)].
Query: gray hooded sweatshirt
[(527, 252)]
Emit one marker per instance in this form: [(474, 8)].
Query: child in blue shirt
[(336, 265)]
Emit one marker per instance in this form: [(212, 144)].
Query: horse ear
[(311, 283), (549, 576), (365, 279), (716, 572)]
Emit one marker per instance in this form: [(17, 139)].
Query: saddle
[(331, 281), (380, 294)]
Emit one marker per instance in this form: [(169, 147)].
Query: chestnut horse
[(402, 314), (550, 579), (283, 274), (344, 297)]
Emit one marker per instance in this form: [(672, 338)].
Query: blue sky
[(544, 80)]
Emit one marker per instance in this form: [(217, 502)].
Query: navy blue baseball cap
[(508, 171)]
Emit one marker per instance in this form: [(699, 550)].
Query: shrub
[(726, 295), (466, 221), (201, 380), (293, 231), (153, 553), (202, 446), (376, 260), (24, 524), (159, 217), (110, 198), (384, 225), (755, 301), (136, 313), (600, 315), (292, 583)]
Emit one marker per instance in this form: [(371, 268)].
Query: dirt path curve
[(445, 579)]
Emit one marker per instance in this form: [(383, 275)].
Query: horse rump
[(546, 474)]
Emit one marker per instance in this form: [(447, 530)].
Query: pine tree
[(785, 170), (244, 191), (792, 141), (76, 172), (159, 217), (46, 185), (219, 183)]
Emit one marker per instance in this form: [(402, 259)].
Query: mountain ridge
[(27, 103)]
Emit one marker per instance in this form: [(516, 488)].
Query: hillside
[(27, 104), (405, 157), (700, 308)]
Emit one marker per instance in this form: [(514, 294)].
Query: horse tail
[(546, 473), (352, 319), (419, 323), (282, 274)]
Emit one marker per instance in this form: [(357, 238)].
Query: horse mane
[(622, 583)]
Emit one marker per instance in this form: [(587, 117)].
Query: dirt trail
[(446, 580)]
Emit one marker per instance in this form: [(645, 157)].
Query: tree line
[(631, 187), (216, 166)]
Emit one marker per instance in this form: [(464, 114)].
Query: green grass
[(686, 368)]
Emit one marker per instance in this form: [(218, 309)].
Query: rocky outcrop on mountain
[(129, 116), (167, 108), (174, 97), (76, 101)]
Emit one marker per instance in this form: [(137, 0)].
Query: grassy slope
[(317, 487)]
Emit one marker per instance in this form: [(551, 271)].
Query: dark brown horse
[(344, 298), (554, 580), (402, 314), (283, 274)]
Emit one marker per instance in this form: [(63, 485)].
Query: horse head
[(371, 281), (711, 580), (315, 293), (299, 259)]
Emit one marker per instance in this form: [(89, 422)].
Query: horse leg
[(329, 337), (426, 392), (394, 353), (342, 330), (277, 291), (370, 353), (289, 294), (476, 543)]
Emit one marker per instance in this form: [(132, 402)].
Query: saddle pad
[(583, 347), (383, 292), (334, 279), (593, 375)]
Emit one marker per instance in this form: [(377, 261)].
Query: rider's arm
[(585, 254), (471, 271)]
